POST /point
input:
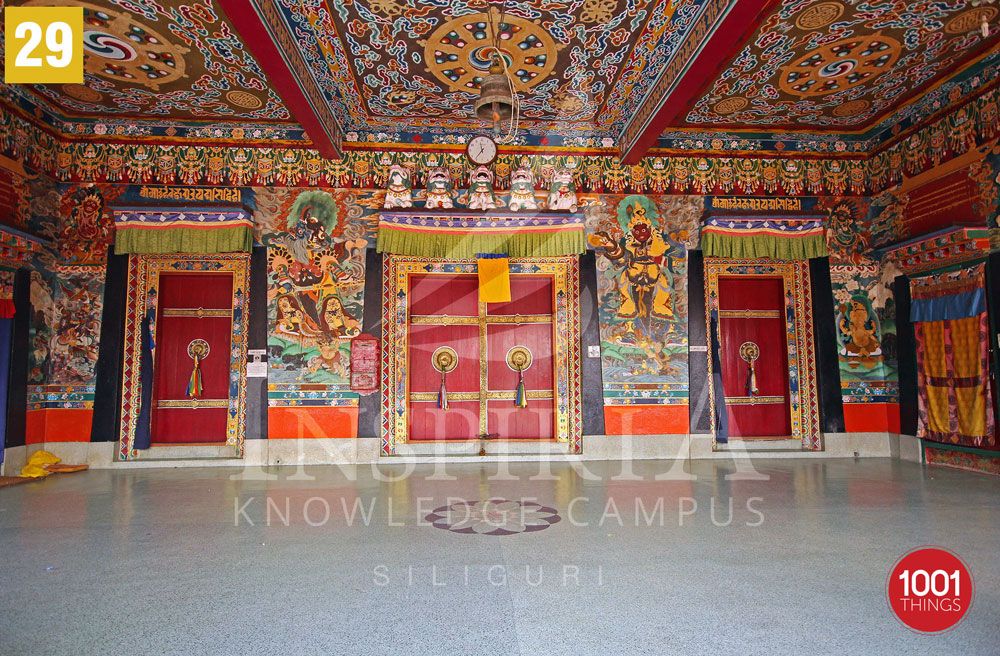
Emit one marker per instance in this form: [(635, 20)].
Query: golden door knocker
[(519, 359), (750, 352), (198, 350), (444, 360)]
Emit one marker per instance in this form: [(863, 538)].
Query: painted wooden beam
[(265, 34), (721, 31)]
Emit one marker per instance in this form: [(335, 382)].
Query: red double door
[(193, 309), (444, 312), (752, 327)]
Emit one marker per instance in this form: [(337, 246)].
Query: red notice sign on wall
[(364, 364)]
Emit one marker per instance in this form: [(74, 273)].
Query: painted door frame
[(143, 280), (565, 273), (803, 394)]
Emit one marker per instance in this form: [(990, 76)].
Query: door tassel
[(520, 396), (194, 388), (443, 393), (751, 380)]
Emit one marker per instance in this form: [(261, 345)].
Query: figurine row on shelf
[(440, 192)]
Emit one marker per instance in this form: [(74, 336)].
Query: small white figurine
[(481, 196), (440, 192), (562, 193), (399, 191), (522, 190)]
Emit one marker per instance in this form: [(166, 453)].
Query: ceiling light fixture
[(498, 100)]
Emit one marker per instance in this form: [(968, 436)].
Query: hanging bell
[(495, 102)]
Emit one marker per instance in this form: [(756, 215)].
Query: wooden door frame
[(143, 281), (803, 398), (565, 274)]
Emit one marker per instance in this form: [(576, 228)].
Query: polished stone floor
[(210, 561)]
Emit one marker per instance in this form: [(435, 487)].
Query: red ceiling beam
[(266, 35), (700, 59)]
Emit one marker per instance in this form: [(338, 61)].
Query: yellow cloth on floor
[(494, 280), (35, 466)]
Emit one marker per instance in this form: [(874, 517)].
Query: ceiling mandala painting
[(177, 59), (409, 65), (842, 64)]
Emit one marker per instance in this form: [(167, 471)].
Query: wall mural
[(864, 310), (316, 243), (642, 291), (67, 290), (316, 240)]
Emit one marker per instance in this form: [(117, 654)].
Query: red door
[(445, 313), (752, 327), (194, 310), (524, 323)]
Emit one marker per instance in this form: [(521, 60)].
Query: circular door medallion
[(444, 359), (519, 358), (199, 348), (749, 351)]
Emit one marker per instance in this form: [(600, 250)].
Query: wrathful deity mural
[(65, 328), (642, 289), (315, 285)]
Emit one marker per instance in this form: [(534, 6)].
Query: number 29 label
[(44, 45)]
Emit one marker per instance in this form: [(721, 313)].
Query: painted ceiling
[(392, 65), (843, 65), (811, 76), (160, 62)]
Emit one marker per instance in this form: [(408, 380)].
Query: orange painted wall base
[(871, 417), (646, 419), (58, 425), (295, 422)]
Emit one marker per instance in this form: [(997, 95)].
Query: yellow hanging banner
[(494, 279)]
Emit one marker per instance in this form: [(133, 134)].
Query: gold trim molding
[(197, 313), (192, 403)]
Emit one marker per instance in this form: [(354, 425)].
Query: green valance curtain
[(463, 237), (777, 238), (217, 230)]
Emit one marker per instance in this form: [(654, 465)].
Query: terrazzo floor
[(209, 561)]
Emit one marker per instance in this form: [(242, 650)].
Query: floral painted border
[(565, 272), (803, 394), (143, 278)]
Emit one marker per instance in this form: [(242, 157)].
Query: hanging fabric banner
[(210, 230), (776, 238), (721, 414), (949, 295), (463, 235), (951, 326), (143, 436), (494, 278)]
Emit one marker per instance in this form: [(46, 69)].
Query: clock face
[(482, 150)]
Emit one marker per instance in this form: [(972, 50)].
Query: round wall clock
[(481, 150)]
